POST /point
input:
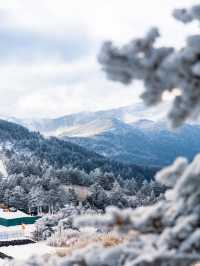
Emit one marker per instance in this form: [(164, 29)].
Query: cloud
[(119, 20), (28, 46), (59, 89)]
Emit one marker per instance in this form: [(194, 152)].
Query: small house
[(15, 224), (14, 218)]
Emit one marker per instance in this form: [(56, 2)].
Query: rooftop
[(6, 214)]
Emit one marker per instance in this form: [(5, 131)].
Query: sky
[(49, 48)]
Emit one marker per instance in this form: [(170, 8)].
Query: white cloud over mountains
[(48, 52)]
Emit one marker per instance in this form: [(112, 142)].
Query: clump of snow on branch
[(169, 175), (161, 68), (53, 224), (64, 238), (187, 15)]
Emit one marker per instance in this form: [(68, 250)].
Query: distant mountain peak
[(85, 124)]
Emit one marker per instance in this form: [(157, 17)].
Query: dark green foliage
[(60, 153), (40, 170)]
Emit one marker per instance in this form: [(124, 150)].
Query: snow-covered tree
[(105, 180), (98, 197), (18, 197)]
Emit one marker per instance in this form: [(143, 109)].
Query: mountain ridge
[(144, 143), (60, 153), (125, 134), (57, 126)]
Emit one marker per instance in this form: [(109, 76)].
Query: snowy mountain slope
[(126, 134), (144, 142), (60, 153), (90, 123), (3, 170), (94, 127)]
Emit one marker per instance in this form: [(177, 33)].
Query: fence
[(18, 234)]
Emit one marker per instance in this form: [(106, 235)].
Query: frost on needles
[(161, 68)]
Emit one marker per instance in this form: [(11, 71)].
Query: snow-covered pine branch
[(161, 68), (187, 15)]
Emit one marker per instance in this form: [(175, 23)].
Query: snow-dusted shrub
[(51, 223), (64, 238), (44, 227), (82, 241), (47, 225)]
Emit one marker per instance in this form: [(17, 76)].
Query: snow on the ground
[(16, 232), (3, 170), (23, 252)]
